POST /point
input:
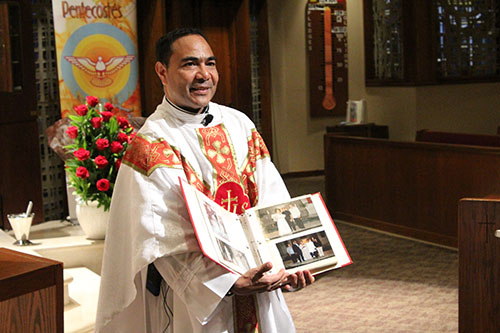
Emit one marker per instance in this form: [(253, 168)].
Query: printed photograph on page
[(227, 236), (288, 218), (233, 257), (216, 221), (305, 249)]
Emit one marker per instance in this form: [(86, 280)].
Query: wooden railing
[(408, 188), (458, 138)]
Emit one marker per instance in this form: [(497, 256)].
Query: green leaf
[(76, 119)]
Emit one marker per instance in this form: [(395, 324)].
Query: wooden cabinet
[(369, 130), (31, 293), (479, 264)]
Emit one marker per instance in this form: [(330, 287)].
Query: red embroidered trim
[(245, 314), (256, 150), (229, 190), (145, 156), (218, 149), (259, 145)]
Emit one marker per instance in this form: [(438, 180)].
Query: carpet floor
[(394, 285)]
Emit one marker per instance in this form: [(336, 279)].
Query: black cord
[(167, 309)]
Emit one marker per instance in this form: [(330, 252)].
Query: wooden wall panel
[(409, 188), (227, 28), (151, 25), (20, 179), (19, 144), (264, 73), (20, 104), (5, 58)]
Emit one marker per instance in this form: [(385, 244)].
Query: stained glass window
[(428, 42), (388, 39), (468, 38)]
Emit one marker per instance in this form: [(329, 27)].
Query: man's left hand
[(298, 280)]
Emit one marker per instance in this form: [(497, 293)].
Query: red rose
[(122, 137), (132, 135), (96, 122), (101, 161), (103, 184), (108, 106), (72, 132), (92, 101), (106, 115), (81, 110), (116, 147), (122, 122), (102, 144), (81, 154), (118, 163), (82, 172)]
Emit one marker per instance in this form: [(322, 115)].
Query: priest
[(154, 276)]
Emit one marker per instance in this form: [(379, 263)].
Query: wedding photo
[(216, 223), (288, 218), (305, 249), (233, 256)]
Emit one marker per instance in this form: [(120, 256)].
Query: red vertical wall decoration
[(327, 56)]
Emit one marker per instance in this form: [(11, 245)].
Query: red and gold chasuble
[(233, 187)]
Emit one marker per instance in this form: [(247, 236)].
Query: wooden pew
[(407, 188), (458, 138), (479, 264)]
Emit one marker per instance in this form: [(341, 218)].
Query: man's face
[(190, 80)]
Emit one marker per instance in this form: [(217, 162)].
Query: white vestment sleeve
[(271, 187), (197, 281)]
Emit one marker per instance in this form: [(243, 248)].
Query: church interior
[(394, 117)]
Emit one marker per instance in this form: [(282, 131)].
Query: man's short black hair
[(164, 44)]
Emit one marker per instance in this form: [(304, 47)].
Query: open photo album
[(297, 234)]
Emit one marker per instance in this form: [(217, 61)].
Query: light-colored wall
[(298, 139), (465, 108)]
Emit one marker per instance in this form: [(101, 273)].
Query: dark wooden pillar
[(20, 177)]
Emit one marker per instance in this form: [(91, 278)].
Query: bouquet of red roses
[(100, 140)]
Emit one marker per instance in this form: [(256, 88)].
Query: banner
[(96, 42)]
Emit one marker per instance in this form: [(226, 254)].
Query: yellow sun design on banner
[(105, 61)]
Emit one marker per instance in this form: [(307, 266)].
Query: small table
[(369, 130), (31, 293)]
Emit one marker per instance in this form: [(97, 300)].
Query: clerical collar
[(204, 110)]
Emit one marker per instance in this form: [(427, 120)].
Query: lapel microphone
[(207, 120)]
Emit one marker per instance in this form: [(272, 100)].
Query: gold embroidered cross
[(229, 200), (219, 151)]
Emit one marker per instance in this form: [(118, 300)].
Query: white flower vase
[(92, 219)]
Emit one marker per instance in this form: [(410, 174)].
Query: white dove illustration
[(100, 70)]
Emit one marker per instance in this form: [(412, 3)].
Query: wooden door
[(19, 144), (479, 265)]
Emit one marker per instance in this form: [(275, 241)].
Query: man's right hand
[(255, 281)]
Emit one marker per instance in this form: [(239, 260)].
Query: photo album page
[(298, 234)]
